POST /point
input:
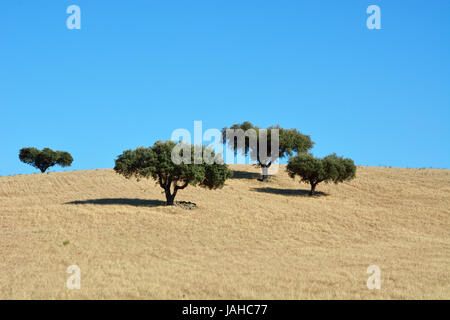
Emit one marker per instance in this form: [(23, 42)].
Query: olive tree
[(156, 162), (265, 146), (44, 159), (331, 168)]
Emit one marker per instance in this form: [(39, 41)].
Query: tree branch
[(184, 185)]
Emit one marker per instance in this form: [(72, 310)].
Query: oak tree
[(156, 162), (290, 142), (44, 159), (331, 168)]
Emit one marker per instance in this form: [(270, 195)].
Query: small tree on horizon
[(44, 159), (331, 168), (290, 141), (156, 162)]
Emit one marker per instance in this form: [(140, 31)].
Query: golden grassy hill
[(249, 240)]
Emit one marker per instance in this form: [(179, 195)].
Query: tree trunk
[(313, 189), (264, 174), (43, 168), (169, 197)]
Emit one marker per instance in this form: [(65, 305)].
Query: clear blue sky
[(137, 70)]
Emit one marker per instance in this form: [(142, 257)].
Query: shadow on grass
[(121, 201), (290, 192), (245, 175)]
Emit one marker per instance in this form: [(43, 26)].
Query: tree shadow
[(121, 201), (290, 192), (245, 175)]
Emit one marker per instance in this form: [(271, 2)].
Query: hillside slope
[(248, 240)]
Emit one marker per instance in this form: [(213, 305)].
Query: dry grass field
[(249, 240)]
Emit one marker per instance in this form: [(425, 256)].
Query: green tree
[(156, 162), (44, 159), (290, 141), (313, 170)]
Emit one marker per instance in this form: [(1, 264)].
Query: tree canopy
[(331, 168), (290, 142), (156, 162), (44, 159)]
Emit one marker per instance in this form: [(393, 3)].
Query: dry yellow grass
[(248, 240)]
